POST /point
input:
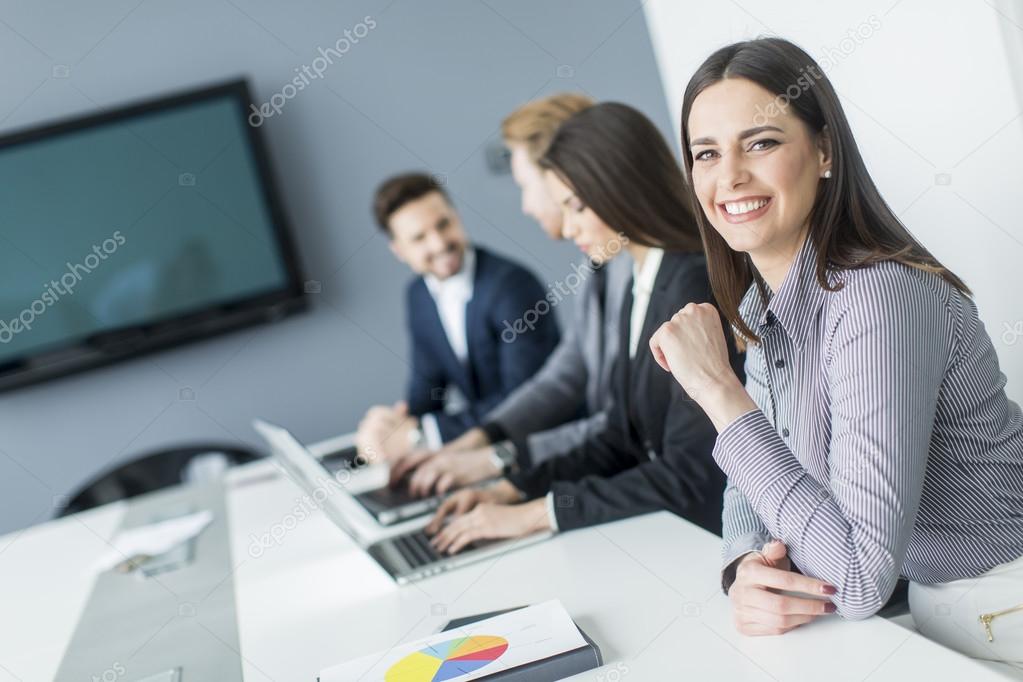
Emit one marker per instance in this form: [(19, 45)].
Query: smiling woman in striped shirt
[(873, 437)]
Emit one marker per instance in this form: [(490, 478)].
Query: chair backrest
[(153, 471)]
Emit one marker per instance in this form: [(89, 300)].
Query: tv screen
[(135, 229)]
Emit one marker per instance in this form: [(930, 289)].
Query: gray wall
[(426, 88)]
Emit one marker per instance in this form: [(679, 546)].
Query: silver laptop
[(406, 557), (388, 505)]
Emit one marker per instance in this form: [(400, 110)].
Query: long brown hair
[(618, 164), (851, 226)]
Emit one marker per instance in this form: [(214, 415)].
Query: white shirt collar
[(461, 281), (643, 278), (451, 296)]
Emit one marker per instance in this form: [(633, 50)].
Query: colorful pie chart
[(448, 660)]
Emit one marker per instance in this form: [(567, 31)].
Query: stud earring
[(827, 173)]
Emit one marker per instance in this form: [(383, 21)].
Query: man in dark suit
[(480, 324)]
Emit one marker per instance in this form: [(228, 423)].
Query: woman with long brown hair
[(873, 438), (619, 186)]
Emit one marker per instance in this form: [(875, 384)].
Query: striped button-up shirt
[(884, 443)]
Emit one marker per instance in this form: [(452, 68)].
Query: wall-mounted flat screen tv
[(135, 229)]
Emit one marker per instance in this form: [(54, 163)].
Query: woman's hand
[(691, 345), (489, 521), (461, 502), (757, 606), (442, 471), (402, 467)]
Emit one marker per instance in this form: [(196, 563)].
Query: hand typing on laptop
[(407, 556), (435, 473), (489, 513)]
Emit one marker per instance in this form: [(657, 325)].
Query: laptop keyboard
[(388, 497), (416, 548)]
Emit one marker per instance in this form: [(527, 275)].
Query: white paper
[(154, 539), (530, 634)]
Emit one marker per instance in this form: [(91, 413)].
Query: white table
[(645, 589)]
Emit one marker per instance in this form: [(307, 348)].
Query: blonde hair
[(534, 123)]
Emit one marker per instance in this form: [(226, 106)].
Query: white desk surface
[(646, 590)]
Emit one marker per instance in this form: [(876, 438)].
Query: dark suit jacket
[(656, 450), (499, 357)]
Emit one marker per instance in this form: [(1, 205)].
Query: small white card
[(472, 651), (153, 539)]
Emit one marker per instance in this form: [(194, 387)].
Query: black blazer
[(507, 337), (656, 450)]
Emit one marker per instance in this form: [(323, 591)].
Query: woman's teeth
[(740, 207)]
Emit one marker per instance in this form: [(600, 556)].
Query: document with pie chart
[(472, 652)]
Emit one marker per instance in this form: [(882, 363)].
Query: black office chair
[(156, 470)]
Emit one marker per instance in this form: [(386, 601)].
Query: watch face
[(505, 453)]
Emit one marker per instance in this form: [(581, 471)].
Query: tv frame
[(123, 343)]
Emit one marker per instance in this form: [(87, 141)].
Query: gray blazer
[(544, 410)]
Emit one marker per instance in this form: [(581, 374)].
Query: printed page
[(471, 652)]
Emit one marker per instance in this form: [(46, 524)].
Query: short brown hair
[(534, 123), (396, 191)]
